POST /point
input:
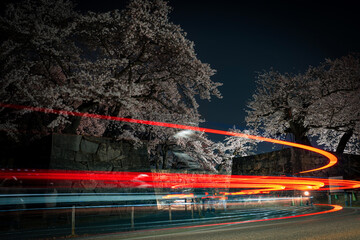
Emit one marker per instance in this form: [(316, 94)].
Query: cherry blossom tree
[(233, 147), (240, 147), (36, 59), (196, 148), (334, 117), (131, 63), (322, 103), (279, 105)]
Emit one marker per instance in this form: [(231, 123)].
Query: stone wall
[(291, 161), (76, 152)]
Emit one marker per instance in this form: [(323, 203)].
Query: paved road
[(343, 225), (33, 226)]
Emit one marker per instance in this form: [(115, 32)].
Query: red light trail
[(250, 184), (243, 185), (332, 159)]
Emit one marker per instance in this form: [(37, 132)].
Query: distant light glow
[(332, 159), (306, 193)]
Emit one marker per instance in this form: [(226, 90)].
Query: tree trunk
[(302, 140), (343, 141), (164, 151), (112, 129), (157, 164), (299, 132), (75, 121)]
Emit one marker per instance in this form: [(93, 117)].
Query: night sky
[(239, 38)]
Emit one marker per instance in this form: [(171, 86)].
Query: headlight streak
[(30, 199), (335, 208), (332, 159)]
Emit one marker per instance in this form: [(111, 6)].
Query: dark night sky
[(240, 38)]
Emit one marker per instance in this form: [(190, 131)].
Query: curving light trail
[(245, 185), (332, 159), (334, 208), (249, 184)]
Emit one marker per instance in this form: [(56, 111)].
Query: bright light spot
[(184, 134), (142, 175), (182, 156), (306, 193)]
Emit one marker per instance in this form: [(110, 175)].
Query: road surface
[(343, 225)]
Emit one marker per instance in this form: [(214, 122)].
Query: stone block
[(60, 154), (68, 155), (119, 162), (55, 152), (87, 146), (83, 157), (68, 142), (100, 166), (67, 165), (108, 153)]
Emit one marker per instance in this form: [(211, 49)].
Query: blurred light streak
[(332, 159), (247, 184), (169, 196), (139, 206), (86, 208), (263, 199), (334, 209), (7, 199)]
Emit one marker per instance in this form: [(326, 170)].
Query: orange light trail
[(169, 196), (332, 159)]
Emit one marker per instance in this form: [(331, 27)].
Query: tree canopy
[(322, 104), (130, 63)]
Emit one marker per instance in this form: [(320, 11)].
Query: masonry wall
[(76, 152), (291, 161)]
